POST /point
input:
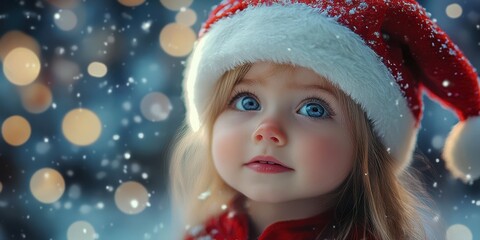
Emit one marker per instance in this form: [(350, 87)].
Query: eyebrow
[(293, 85)]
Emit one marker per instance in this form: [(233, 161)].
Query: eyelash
[(240, 93), (322, 102)]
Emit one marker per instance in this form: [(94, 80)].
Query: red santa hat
[(382, 53)]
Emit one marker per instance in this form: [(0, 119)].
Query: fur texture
[(462, 151)]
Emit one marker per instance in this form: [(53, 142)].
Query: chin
[(266, 196)]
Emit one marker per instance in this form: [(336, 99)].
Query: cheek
[(226, 143), (325, 149), (326, 158)]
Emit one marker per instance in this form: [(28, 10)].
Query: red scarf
[(233, 224)]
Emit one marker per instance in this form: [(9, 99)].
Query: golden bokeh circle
[(16, 130), (47, 185), (21, 66), (187, 17), (97, 69), (177, 39), (176, 5), (454, 10), (131, 197), (36, 97), (81, 127), (15, 39), (131, 3)]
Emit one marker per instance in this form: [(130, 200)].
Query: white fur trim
[(462, 151), (300, 35)]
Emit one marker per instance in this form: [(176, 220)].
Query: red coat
[(234, 225)]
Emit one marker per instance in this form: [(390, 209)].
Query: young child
[(303, 116)]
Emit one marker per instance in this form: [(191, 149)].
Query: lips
[(267, 164)]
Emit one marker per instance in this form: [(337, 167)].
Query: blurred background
[(90, 99)]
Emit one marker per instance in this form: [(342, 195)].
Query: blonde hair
[(195, 185), (386, 203), (374, 198)]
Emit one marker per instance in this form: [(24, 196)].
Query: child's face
[(277, 112)]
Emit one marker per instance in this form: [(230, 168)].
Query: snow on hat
[(382, 53)]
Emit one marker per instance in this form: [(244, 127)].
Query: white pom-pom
[(462, 150)]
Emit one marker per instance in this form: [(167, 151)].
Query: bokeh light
[(42, 147), (81, 127), (65, 71), (16, 130), (97, 69), (81, 230), (186, 16), (176, 5), (99, 46), (21, 66), (15, 39), (64, 4), (131, 3), (131, 197), (75, 191), (36, 97), (1, 187), (156, 107), (438, 141), (47, 185), (65, 19), (454, 10), (459, 232), (177, 39)]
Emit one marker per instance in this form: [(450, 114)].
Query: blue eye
[(246, 103), (314, 110)]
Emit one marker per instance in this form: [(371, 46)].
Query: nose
[(270, 132)]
